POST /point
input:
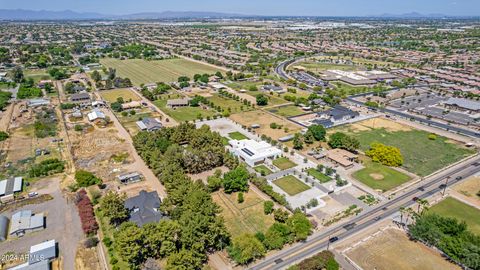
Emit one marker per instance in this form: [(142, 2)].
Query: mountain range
[(31, 15)]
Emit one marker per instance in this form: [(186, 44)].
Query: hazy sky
[(257, 7)]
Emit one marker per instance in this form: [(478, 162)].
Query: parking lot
[(62, 224)]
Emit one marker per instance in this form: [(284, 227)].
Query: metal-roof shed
[(3, 228)]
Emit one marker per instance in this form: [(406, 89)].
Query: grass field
[(126, 94), (246, 217), (237, 136), (392, 249), (291, 185), (319, 176), (287, 111), (378, 176), (141, 71), (284, 163), (263, 168), (421, 155), (37, 75), (228, 104), (183, 114), (451, 207)]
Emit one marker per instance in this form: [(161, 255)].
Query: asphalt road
[(318, 242)]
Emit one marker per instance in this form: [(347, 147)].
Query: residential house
[(149, 124), (144, 208), (95, 115), (253, 152), (342, 157), (173, 103)]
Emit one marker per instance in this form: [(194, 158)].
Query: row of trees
[(343, 141), (314, 133)]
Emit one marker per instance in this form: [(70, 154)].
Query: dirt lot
[(264, 119), (377, 123), (468, 189), (87, 259), (391, 249)]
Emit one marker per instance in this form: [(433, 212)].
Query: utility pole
[(445, 187)]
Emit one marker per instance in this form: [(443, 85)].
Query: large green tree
[(246, 248), (112, 206), (236, 180)]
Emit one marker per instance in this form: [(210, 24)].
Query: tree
[(116, 106), (297, 141), (86, 179), (308, 137), (17, 75), (268, 207), (386, 155), (343, 141), (299, 225), (277, 236), (240, 198), (3, 136), (236, 180), (245, 248), (129, 243), (262, 100), (96, 76), (184, 260), (318, 132), (112, 206), (280, 215), (214, 183)]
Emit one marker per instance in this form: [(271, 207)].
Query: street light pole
[(445, 187)]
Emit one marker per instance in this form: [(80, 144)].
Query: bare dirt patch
[(378, 123), (468, 189), (391, 249), (264, 119), (87, 259), (376, 176)]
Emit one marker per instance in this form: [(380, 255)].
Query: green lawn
[(183, 114), (378, 176), (141, 71), (263, 168), (37, 74), (421, 155), (291, 185), (237, 136), (319, 176), (284, 163), (112, 95), (287, 111), (451, 207)]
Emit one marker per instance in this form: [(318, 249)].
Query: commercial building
[(253, 152), (463, 104)]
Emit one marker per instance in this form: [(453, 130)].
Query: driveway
[(62, 224)]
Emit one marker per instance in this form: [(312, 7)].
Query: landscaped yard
[(291, 185), (284, 163), (378, 176), (451, 207), (264, 169), (237, 136), (141, 71), (126, 94), (183, 114), (422, 156), (246, 217), (287, 111), (319, 176)]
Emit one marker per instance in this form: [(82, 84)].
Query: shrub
[(268, 207), (85, 211), (86, 179), (240, 197), (386, 155)]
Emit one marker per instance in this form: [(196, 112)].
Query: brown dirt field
[(392, 249), (376, 123), (87, 259), (264, 119), (376, 176), (469, 189), (20, 144)]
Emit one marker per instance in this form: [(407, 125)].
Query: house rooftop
[(144, 208)]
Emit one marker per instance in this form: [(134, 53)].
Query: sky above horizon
[(257, 7)]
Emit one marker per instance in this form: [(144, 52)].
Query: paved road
[(319, 241)]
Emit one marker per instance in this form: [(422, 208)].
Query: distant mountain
[(31, 15), (411, 15), (177, 14)]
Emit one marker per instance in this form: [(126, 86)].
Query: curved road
[(318, 242)]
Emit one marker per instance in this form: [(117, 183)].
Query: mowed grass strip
[(287, 111), (378, 176), (141, 71), (237, 136), (291, 185), (183, 114), (264, 169), (451, 207), (319, 176), (422, 156), (112, 95), (284, 163)]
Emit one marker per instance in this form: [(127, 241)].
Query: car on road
[(458, 178), (415, 199), (333, 239), (33, 194), (442, 186), (377, 218), (277, 261), (421, 188)]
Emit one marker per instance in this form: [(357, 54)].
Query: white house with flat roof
[(254, 153)]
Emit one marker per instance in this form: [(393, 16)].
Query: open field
[(238, 85), (126, 94), (273, 100), (284, 163), (141, 71), (319, 66), (378, 176), (422, 156), (287, 111), (264, 119), (237, 136), (319, 176), (228, 104), (470, 188), (451, 207), (183, 114), (263, 168), (246, 217), (392, 249), (291, 185), (37, 75)]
